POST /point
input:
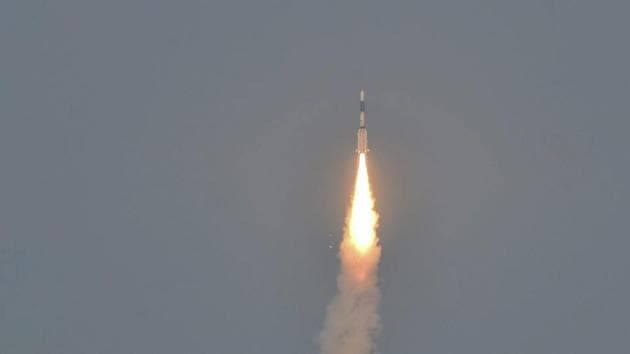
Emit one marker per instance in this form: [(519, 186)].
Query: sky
[(173, 174)]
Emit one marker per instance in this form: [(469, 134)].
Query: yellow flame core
[(363, 219)]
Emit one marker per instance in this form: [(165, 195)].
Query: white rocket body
[(362, 146)]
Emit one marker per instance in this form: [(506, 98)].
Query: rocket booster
[(362, 132)]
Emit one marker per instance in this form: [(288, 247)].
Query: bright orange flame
[(352, 320), (363, 219)]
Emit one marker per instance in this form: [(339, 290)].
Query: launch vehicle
[(362, 146)]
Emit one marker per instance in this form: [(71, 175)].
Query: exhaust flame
[(352, 320), (363, 218)]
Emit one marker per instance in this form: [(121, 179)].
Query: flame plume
[(363, 219), (352, 321)]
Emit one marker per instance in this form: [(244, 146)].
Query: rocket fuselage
[(362, 146)]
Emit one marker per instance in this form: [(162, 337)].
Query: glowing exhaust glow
[(362, 219), (352, 321)]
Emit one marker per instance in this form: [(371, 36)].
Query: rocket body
[(362, 141), (362, 146)]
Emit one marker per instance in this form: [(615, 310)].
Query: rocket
[(362, 132)]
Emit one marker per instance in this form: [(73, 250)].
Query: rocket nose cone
[(362, 95)]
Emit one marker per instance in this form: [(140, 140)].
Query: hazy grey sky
[(171, 172)]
